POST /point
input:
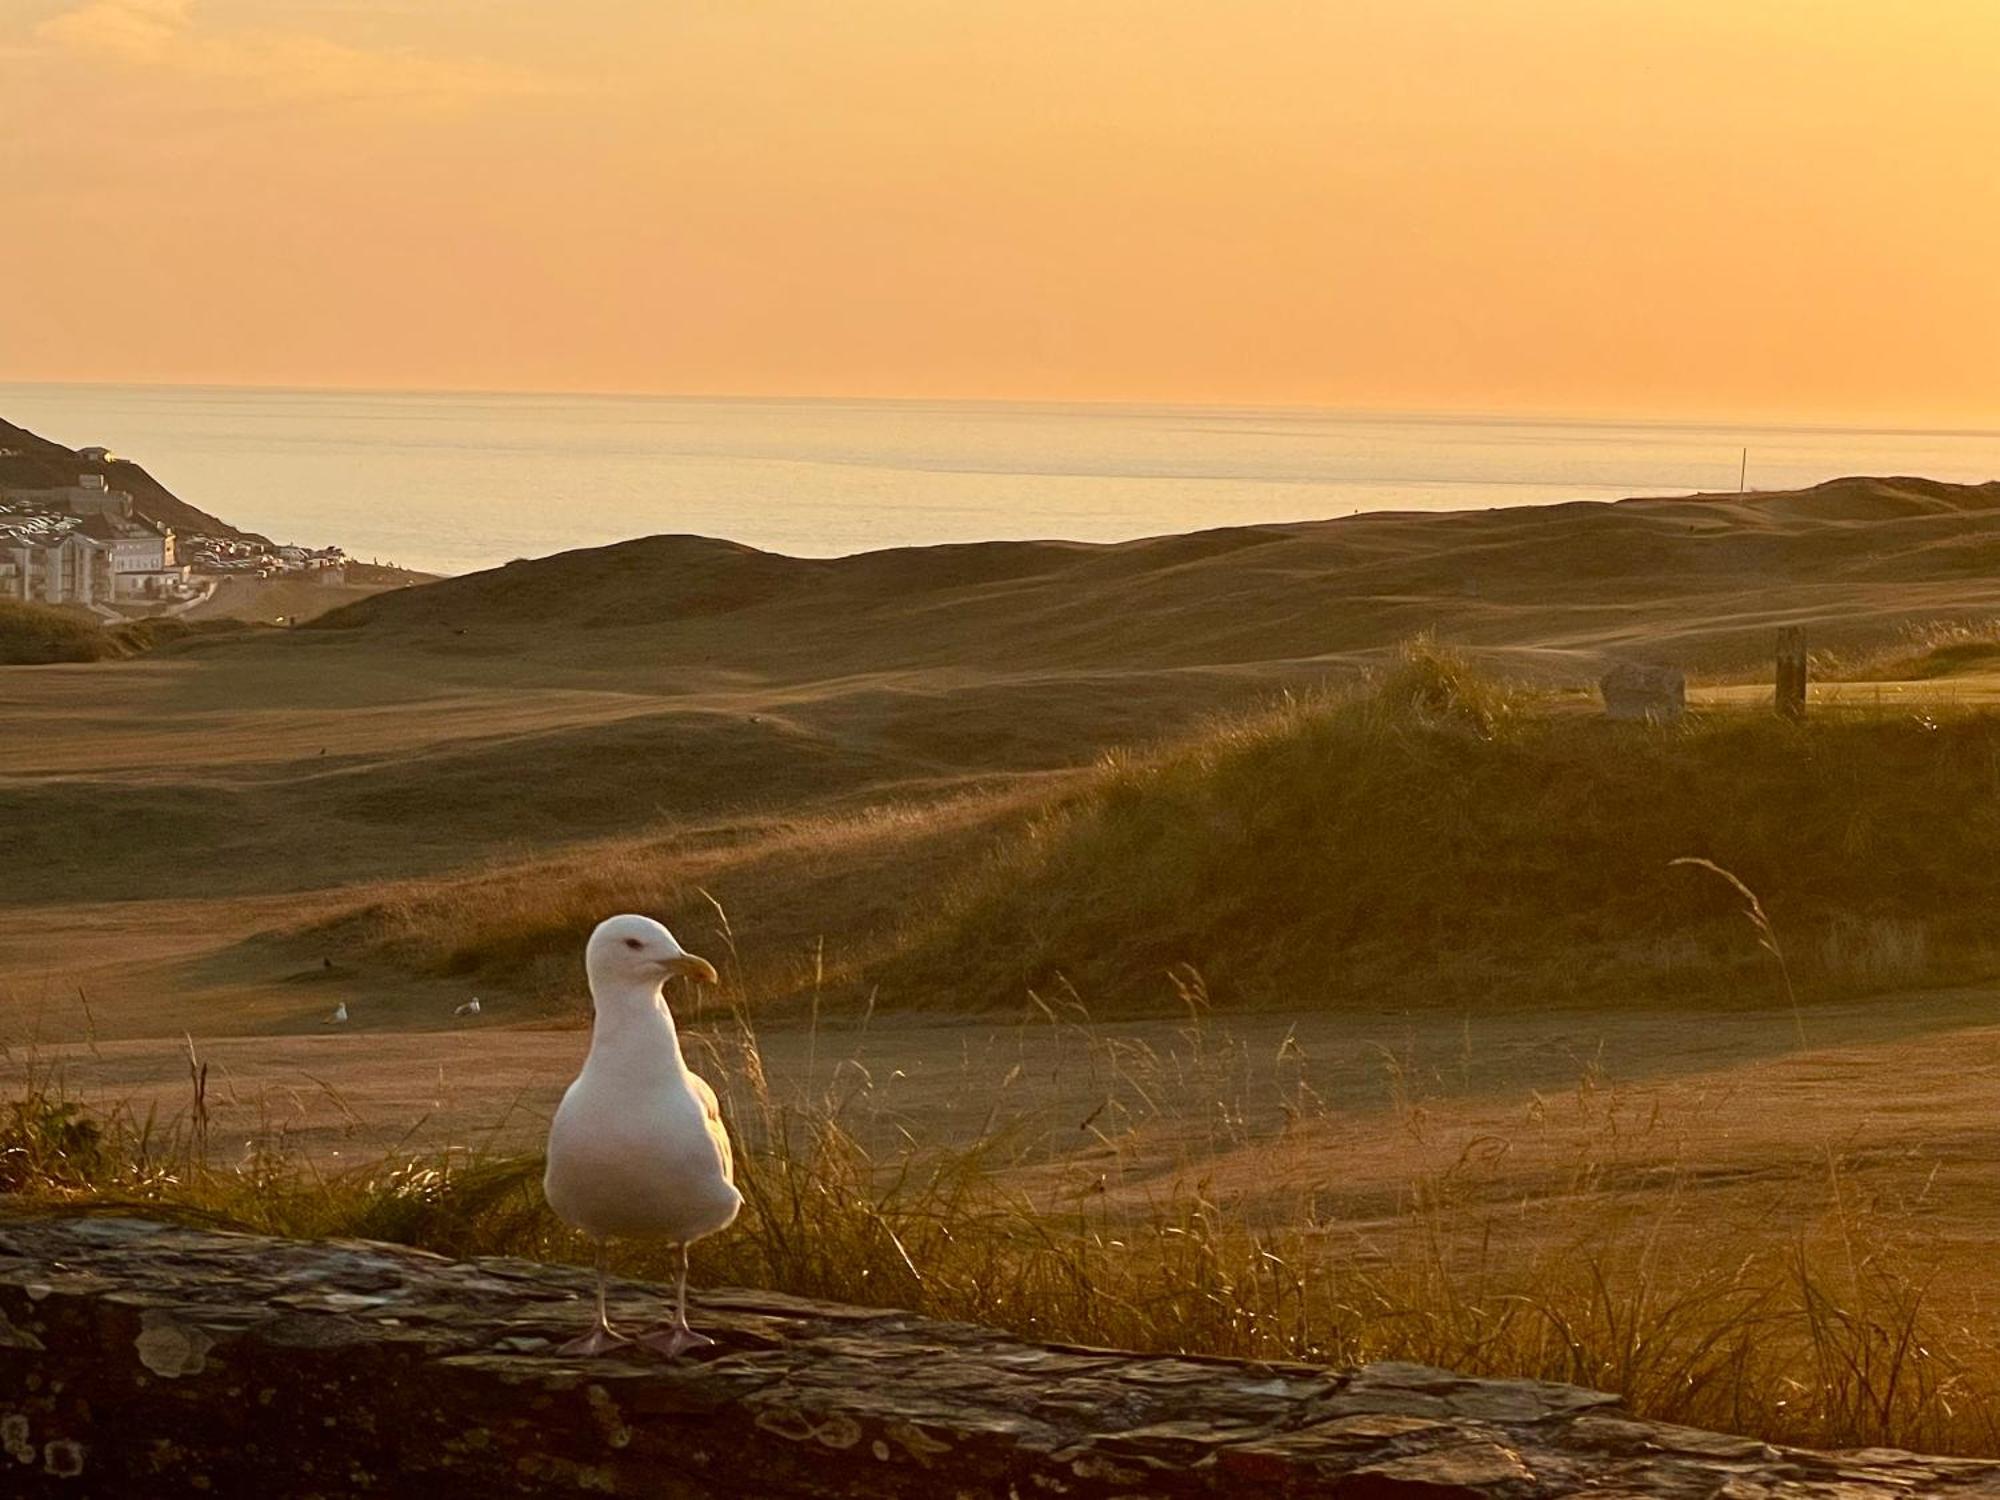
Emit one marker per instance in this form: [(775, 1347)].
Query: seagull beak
[(700, 970)]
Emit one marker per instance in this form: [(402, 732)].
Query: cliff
[(138, 1358)]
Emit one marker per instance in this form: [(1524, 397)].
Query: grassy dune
[(1437, 838), (33, 634), (450, 778), (1549, 590), (825, 897), (1446, 840), (40, 635)]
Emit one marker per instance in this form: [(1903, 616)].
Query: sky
[(1740, 209)]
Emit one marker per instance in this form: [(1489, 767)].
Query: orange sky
[(1721, 208)]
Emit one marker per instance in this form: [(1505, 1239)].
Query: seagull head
[(633, 950)]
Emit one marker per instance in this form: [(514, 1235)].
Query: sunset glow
[(1747, 208)]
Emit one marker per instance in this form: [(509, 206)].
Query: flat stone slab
[(142, 1359)]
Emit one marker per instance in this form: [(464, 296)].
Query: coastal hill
[(34, 463), (1554, 590)]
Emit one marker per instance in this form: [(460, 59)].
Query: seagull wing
[(711, 1109)]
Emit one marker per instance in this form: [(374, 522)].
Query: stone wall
[(138, 1359)]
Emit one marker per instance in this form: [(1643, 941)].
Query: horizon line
[(1523, 415)]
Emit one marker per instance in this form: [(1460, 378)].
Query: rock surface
[(1633, 690), (138, 1359)]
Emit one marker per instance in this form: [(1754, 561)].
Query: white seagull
[(339, 1016), (470, 1008), (637, 1149)]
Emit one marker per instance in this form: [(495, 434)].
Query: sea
[(449, 482)]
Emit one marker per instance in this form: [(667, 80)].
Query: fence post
[(1791, 694)]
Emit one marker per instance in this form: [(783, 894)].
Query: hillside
[(1554, 590), (31, 462), (441, 782), (288, 599)]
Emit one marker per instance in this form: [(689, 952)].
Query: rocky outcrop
[(141, 1359)]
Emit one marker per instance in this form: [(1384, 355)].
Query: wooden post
[(1791, 695)]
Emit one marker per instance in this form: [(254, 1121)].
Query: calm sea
[(454, 482)]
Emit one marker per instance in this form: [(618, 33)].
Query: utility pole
[(1743, 474)]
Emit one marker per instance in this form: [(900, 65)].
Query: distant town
[(87, 544)]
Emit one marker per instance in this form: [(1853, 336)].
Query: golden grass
[(1132, 1224), (833, 892), (1929, 650), (34, 634), (1443, 839), (38, 634), (1440, 838), (1434, 837)]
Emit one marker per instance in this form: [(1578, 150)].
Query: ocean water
[(450, 482)]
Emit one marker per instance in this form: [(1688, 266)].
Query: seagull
[(470, 1008), (339, 1016), (637, 1149)]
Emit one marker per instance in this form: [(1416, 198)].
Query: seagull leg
[(603, 1337), (680, 1338)]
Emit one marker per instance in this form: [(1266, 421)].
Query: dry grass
[(1435, 837), (1443, 839), (832, 891), (39, 635), (34, 634), (1928, 650), (1574, 1247)]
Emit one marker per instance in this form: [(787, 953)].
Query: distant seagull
[(637, 1149), (339, 1016), (325, 962), (470, 1008)]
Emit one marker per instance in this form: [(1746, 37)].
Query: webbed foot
[(599, 1340), (674, 1342)]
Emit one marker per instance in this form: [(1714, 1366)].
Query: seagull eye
[(633, 944)]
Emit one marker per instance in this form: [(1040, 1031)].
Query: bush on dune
[(40, 635), (1441, 838), (35, 635)]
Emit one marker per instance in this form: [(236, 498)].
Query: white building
[(100, 560), (143, 561), (56, 568)]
